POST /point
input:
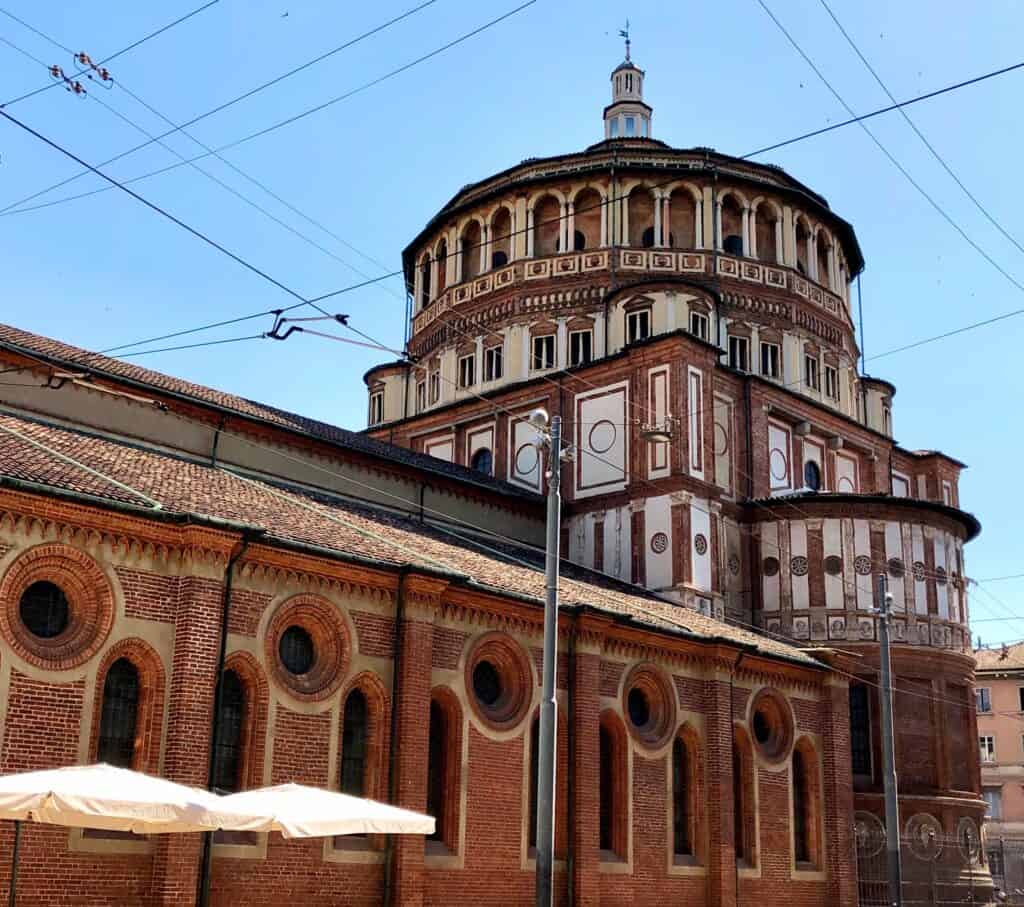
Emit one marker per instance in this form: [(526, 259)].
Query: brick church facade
[(372, 602)]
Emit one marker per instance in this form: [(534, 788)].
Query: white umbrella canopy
[(117, 799), (310, 812)]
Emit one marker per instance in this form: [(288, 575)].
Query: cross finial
[(624, 32)]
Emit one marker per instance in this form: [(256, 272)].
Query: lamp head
[(538, 418)]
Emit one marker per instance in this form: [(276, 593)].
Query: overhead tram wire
[(109, 58), (931, 148), (892, 159), (342, 97)]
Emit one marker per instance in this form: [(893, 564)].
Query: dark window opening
[(44, 610), (812, 475), (296, 650), (487, 683), (860, 730), (353, 745), (499, 259), (607, 775), (801, 807), (682, 845), (733, 244), (579, 241), (437, 770), (647, 240), (119, 715), (741, 842), (483, 461), (639, 708), (227, 756), (762, 728)]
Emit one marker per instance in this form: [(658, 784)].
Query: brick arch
[(449, 708), (690, 739), (254, 725), (613, 772), (805, 761), (149, 716), (378, 717), (744, 789), (90, 599)]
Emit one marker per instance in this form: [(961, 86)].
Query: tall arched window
[(744, 818), (119, 715), (442, 266), (613, 802), (425, 281), (534, 769), (353, 745), (437, 771), (806, 796), (682, 839), (227, 757), (607, 763)]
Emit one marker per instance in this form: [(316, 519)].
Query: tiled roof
[(1001, 658), (72, 357), (39, 452)]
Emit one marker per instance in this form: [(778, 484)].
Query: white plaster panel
[(658, 519), (601, 439), (862, 548), (780, 457), (442, 448), (894, 549), (524, 456), (846, 473), (832, 544), (920, 589), (941, 589), (801, 593), (700, 523), (770, 584), (658, 452), (617, 543), (900, 485), (814, 449), (723, 442), (695, 407), (922, 488)]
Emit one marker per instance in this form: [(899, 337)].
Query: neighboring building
[(687, 314), (999, 693)]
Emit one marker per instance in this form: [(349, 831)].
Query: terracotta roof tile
[(1001, 658)]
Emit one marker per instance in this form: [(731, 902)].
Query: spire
[(627, 117)]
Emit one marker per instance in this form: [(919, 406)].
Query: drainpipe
[(570, 774), (396, 674), (225, 612)]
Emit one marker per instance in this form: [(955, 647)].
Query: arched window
[(640, 210), (442, 266), (744, 817), (119, 715), (823, 249), (425, 270), (682, 838), (588, 208), (612, 772), (806, 797), (471, 240), (579, 241), (227, 757), (765, 227), (498, 259), (501, 238), (353, 745), (682, 219), (547, 226), (812, 475), (731, 226), (534, 769), (647, 240), (802, 236), (440, 774), (483, 461)]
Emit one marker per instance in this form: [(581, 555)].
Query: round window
[(487, 684), (44, 610), (648, 702), (812, 475), (296, 649), (500, 679), (771, 725), (639, 708), (483, 461)]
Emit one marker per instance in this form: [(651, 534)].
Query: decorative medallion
[(526, 459), (798, 565), (721, 440), (700, 544), (924, 833), (869, 833), (602, 436), (969, 840), (770, 566), (862, 564), (896, 568), (833, 565), (940, 575), (659, 542), (779, 464), (919, 569), (734, 564), (801, 628), (837, 627)]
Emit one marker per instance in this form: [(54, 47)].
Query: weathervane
[(624, 32)]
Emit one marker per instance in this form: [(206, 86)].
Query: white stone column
[(570, 226), (623, 221), (417, 288), (812, 257), (458, 260), (599, 333), (529, 232), (716, 238), (657, 219), (561, 344), (752, 233), (434, 281), (604, 222), (746, 232), (485, 249), (780, 253), (563, 226), (666, 219)]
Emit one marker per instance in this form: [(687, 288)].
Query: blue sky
[(372, 169)]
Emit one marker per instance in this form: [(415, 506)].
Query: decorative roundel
[(862, 564), (770, 566), (833, 565), (969, 840), (56, 607), (896, 568), (779, 464), (721, 440), (799, 565), (734, 563), (940, 575), (700, 544), (659, 542), (307, 647), (602, 436), (500, 678), (526, 459), (869, 832), (772, 724), (919, 569), (924, 833), (649, 704)]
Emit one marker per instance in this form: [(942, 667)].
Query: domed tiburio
[(688, 315)]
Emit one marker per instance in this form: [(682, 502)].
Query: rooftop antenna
[(624, 32)]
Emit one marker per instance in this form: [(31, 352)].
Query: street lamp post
[(551, 438)]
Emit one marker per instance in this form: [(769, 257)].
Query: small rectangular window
[(580, 347), (699, 325), (421, 396), (994, 799), (613, 128), (638, 325), (543, 352), (831, 382), (739, 353), (434, 383), (983, 698), (770, 353), (630, 126), (494, 363), (467, 371), (376, 407), (987, 745), (811, 377)]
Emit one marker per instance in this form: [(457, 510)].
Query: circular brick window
[(499, 680), (649, 706), (770, 567), (833, 565), (307, 646), (771, 725), (57, 607)]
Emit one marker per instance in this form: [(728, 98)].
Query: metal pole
[(548, 709), (12, 892), (892, 813)]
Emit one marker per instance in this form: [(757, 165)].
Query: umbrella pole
[(12, 893)]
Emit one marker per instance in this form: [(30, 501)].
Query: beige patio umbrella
[(311, 812), (114, 799)]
